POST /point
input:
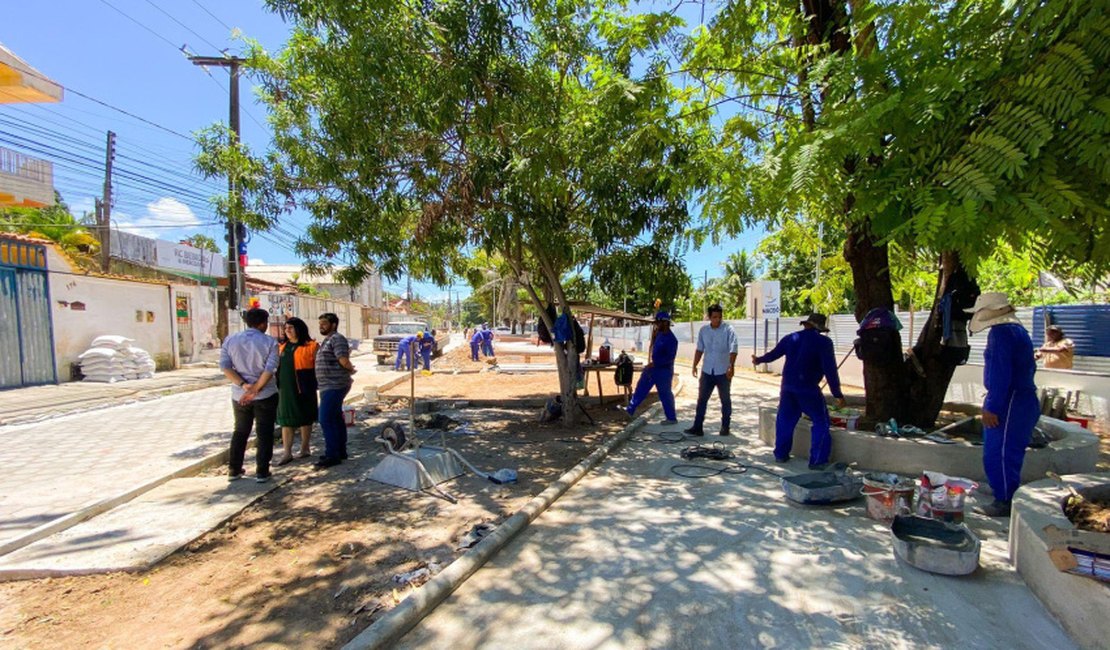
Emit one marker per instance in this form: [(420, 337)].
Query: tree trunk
[(884, 384), (928, 387), (566, 355)]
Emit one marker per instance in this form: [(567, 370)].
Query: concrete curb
[(392, 626), (100, 507)]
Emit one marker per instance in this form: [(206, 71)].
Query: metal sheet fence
[(762, 335)]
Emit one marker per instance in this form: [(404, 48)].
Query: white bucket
[(370, 394)]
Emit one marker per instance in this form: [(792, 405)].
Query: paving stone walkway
[(59, 466)]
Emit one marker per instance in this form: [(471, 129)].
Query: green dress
[(294, 409)]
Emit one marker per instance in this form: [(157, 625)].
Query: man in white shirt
[(717, 345)]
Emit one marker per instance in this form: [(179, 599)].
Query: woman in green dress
[(296, 379)]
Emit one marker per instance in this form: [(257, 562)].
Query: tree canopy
[(546, 132)]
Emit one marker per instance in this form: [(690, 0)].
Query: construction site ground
[(312, 562)]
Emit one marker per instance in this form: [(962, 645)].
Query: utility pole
[(104, 205), (235, 280)]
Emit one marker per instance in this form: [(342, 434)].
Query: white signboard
[(280, 305), (764, 299), (178, 257)]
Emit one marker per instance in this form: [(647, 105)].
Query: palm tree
[(740, 270)]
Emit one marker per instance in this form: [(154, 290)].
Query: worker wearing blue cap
[(659, 372), (487, 340)]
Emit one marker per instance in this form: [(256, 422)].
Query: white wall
[(84, 307), (202, 305)]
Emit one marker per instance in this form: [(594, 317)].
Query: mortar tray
[(935, 546), (822, 488)]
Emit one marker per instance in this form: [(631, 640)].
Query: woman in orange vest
[(296, 380)]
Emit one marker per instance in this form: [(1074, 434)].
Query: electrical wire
[(186, 27), (205, 9)]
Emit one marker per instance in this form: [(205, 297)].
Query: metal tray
[(935, 546), (822, 488)]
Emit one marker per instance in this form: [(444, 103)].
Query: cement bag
[(112, 341)]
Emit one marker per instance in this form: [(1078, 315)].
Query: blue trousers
[(426, 353), (792, 404), (402, 353), (487, 348), (660, 379), (473, 351), (331, 421), (706, 384), (1004, 445)]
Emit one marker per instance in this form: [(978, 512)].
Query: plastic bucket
[(885, 499), (370, 394)]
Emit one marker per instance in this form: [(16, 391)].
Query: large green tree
[(942, 128), (542, 131)]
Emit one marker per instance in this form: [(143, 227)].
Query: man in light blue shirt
[(249, 360), (718, 346)]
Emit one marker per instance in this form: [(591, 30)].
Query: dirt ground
[(315, 561)]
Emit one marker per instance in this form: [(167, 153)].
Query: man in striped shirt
[(333, 375)]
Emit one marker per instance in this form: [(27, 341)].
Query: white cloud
[(255, 261), (166, 218), (126, 223), (168, 211)]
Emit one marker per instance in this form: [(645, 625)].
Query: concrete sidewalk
[(90, 448), (635, 556), (37, 403)]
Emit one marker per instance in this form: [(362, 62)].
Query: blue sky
[(126, 54)]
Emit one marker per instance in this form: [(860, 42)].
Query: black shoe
[(692, 431), (724, 432), (818, 466), (780, 459), (326, 462), (996, 509), (262, 478), (235, 475)]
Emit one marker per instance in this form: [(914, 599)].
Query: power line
[(71, 90), (205, 9), (187, 28), (121, 12)]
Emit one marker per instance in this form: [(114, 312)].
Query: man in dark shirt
[(809, 356), (333, 375), (659, 371)]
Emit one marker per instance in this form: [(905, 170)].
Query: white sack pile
[(111, 359)]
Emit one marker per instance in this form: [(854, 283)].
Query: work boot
[(996, 509), (693, 431), (669, 422), (724, 432), (782, 459)]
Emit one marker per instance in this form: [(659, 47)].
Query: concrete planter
[(1082, 605), (1073, 450)]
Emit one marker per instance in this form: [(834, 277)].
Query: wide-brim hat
[(662, 316), (819, 321), (991, 308)]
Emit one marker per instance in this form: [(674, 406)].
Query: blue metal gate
[(26, 332)]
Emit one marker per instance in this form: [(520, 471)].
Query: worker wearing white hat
[(1011, 407)]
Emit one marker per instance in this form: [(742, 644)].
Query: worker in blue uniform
[(809, 357), (487, 340), (659, 370), (475, 343), (1011, 407), (404, 350), (427, 342)]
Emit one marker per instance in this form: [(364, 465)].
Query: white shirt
[(716, 346)]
